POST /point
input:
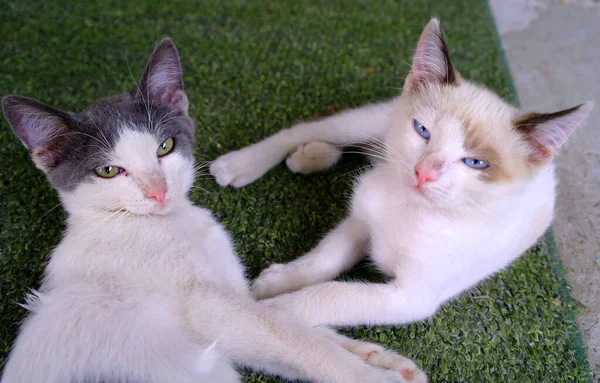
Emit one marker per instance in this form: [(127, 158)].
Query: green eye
[(108, 171), (166, 147)]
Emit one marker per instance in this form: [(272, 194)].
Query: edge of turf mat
[(576, 335), (498, 40)]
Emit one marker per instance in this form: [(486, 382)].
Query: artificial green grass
[(250, 69)]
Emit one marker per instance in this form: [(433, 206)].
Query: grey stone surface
[(553, 50)]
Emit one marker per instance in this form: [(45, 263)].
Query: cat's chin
[(161, 209), (420, 191), (422, 195), (428, 198)]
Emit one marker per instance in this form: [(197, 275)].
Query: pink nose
[(158, 194), (426, 173)]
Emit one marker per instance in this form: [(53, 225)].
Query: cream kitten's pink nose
[(428, 171), (157, 194)]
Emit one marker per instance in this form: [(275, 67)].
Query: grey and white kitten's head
[(130, 152)]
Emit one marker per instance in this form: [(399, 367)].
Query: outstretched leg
[(337, 252), (354, 126), (252, 336), (352, 304)]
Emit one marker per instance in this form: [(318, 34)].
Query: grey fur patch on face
[(98, 129), (69, 146)]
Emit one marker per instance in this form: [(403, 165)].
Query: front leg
[(350, 127), (337, 252), (352, 304)]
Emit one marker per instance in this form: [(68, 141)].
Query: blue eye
[(475, 163), (419, 128)]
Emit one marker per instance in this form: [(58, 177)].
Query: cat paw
[(313, 157), (274, 280), (377, 356), (244, 166), (405, 367)]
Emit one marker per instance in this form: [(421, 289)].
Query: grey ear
[(162, 82), (39, 127), (431, 63)]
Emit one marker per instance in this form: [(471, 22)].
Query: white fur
[(142, 291), (435, 241), (312, 157), (433, 253), (244, 166)]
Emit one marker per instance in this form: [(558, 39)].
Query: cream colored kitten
[(144, 286), (465, 184)]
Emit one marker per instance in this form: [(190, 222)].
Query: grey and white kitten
[(144, 286)]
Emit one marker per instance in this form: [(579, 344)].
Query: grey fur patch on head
[(69, 146)]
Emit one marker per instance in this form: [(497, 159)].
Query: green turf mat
[(252, 67)]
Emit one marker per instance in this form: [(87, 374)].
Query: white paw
[(378, 356), (389, 360), (313, 157), (274, 280), (243, 166)]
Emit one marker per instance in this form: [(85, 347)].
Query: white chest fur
[(174, 251), (425, 248)]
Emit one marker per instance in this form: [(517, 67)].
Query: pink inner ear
[(554, 133), (170, 95), (38, 128), (546, 132), (47, 157), (539, 153), (421, 70), (431, 62), (34, 137), (426, 49)]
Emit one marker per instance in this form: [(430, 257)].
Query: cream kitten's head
[(456, 143), (131, 152)]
